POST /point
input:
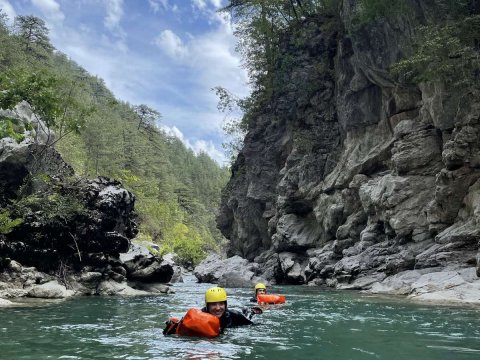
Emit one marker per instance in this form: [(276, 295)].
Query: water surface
[(313, 324)]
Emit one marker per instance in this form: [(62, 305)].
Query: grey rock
[(362, 283), (50, 290), (214, 267), (237, 280), (447, 287), (111, 288), (293, 267)]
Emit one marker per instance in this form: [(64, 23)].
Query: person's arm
[(171, 326), (238, 319), (249, 312)]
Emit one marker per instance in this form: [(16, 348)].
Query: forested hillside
[(177, 191)]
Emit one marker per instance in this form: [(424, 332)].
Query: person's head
[(216, 301), (260, 289)]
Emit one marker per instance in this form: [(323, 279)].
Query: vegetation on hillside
[(447, 50), (177, 191)]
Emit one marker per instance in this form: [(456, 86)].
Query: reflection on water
[(313, 324)]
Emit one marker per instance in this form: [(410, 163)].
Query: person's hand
[(170, 326), (256, 310)]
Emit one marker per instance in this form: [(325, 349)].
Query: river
[(313, 324)]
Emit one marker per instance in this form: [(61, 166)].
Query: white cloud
[(213, 58), (208, 147), (216, 3), (201, 4), (171, 44), (114, 14), (7, 9), (157, 4), (50, 8), (198, 146), (210, 60)]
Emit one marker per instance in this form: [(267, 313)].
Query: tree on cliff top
[(33, 33), (447, 50)]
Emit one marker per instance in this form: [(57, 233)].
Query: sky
[(167, 54)]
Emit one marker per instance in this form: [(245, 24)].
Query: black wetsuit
[(253, 299), (232, 318)]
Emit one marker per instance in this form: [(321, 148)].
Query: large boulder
[(233, 271), (50, 290), (145, 267), (85, 223)]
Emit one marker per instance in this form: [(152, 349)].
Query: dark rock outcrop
[(97, 222), (72, 230)]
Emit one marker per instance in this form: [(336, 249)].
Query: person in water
[(260, 289), (216, 304)]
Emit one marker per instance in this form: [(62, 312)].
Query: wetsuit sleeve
[(238, 319)]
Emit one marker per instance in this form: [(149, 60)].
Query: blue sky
[(167, 54)]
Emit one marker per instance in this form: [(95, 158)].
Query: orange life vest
[(270, 299), (198, 323)]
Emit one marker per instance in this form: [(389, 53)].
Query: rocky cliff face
[(72, 230), (348, 178)]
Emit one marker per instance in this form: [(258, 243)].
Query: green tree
[(447, 50), (235, 123), (33, 33), (147, 117), (3, 22), (46, 95)]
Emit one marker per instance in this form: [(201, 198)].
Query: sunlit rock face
[(22, 157), (347, 178)]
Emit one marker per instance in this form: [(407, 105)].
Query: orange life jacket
[(270, 299), (198, 323)]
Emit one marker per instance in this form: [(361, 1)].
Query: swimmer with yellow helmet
[(260, 289), (216, 304), (212, 319)]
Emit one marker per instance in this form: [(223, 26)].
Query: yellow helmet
[(260, 286), (215, 294)]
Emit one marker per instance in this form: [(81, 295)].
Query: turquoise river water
[(313, 324)]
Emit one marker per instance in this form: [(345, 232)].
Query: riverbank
[(136, 272), (435, 285)]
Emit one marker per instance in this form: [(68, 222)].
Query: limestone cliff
[(348, 177)]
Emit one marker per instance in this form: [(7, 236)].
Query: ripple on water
[(455, 349), (366, 352)]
